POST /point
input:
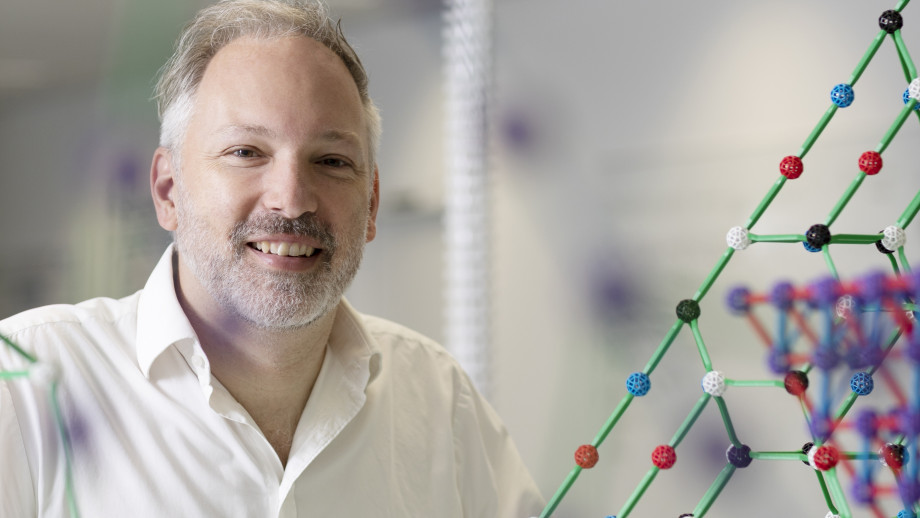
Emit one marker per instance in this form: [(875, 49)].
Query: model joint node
[(830, 514), (826, 291), (791, 167), (904, 513), (893, 237), (739, 456), (713, 383), (842, 95), (890, 21), (664, 456), (872, 287), (795, 382), (738, 238), (909, 491), (738, 300), (913, 90), (586, 456), (870, 162), (846, 306), (894, 456), (782, 295), (866, 423), (638, 384), (861, 383), (688, 310), (906, 98), (862, 491), (818, 235), (823, 457), (908, 422), (42, 373), (825, 358)]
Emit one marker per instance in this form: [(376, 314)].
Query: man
[(239, 382)]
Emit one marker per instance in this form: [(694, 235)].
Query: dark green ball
[(688, 310)]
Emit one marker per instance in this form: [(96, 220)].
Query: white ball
[(894, 238), (713, 383), (738, 238), (913, 91), (831, 515), (845, 306), (43, 373)]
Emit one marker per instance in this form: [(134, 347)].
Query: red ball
[(870, 162), (664, 457), (586, 456), (826, 457), (791, 167), (795, 382)]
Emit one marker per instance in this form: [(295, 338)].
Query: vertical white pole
[(467, 47)]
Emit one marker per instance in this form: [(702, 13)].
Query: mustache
[(306, 225)]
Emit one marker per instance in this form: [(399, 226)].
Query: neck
[(270, 372)]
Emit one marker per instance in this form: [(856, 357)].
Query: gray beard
[(266, 299)]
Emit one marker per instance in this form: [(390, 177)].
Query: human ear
[(162, 183), (374, 204)]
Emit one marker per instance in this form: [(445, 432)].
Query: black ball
[(890, 21), (818, 235), (688, 310), (739, 457)]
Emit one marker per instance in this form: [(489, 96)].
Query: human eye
[(243, 153), (334, 162)]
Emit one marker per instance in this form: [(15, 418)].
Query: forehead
[(285, 84)]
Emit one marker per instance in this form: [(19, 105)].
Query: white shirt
[(393, 426)]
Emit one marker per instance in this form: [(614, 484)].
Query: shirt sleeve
[(492, 477), (17, 497)]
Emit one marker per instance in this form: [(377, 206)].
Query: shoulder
[(62, 322), (396, 339)]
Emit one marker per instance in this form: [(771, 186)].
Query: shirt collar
[(160, 319), (161, 322)]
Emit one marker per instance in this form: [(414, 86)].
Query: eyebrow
[(331, 135)]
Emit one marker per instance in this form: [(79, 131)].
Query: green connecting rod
[(714, 274), (612, 420), (754, 383), (904, 260), (638, 492), (779, 455), (18, 349), (663, 347), (691, 418), (910, 71), (698, 337), (908, 215), (560, 493), (713, 492), (827, 497), (842, 202), (896, 126), (826, 251), (68, 453), (768, 199), (777, 238), (867, 57), (598, 440), (816, 132), (7, 375), (855, 239), (837, 493), (727, 421)]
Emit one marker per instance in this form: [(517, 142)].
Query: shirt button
[(198, 363)]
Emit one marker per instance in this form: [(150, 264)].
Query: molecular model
[(836, 344)]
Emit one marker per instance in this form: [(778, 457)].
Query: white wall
[(649, 130)]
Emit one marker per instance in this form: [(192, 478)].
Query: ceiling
[(50, 44)]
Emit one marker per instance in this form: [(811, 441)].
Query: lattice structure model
[(871, 306)]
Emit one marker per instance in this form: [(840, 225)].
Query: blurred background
[(625, 139)]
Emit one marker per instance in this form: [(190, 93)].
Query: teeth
[(284, 248)]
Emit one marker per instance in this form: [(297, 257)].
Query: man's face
[(276, 196)]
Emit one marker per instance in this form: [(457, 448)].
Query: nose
[(288, 189)]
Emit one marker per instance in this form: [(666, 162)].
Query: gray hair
[(216, 26)]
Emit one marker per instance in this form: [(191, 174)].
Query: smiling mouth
[(284, 248)]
